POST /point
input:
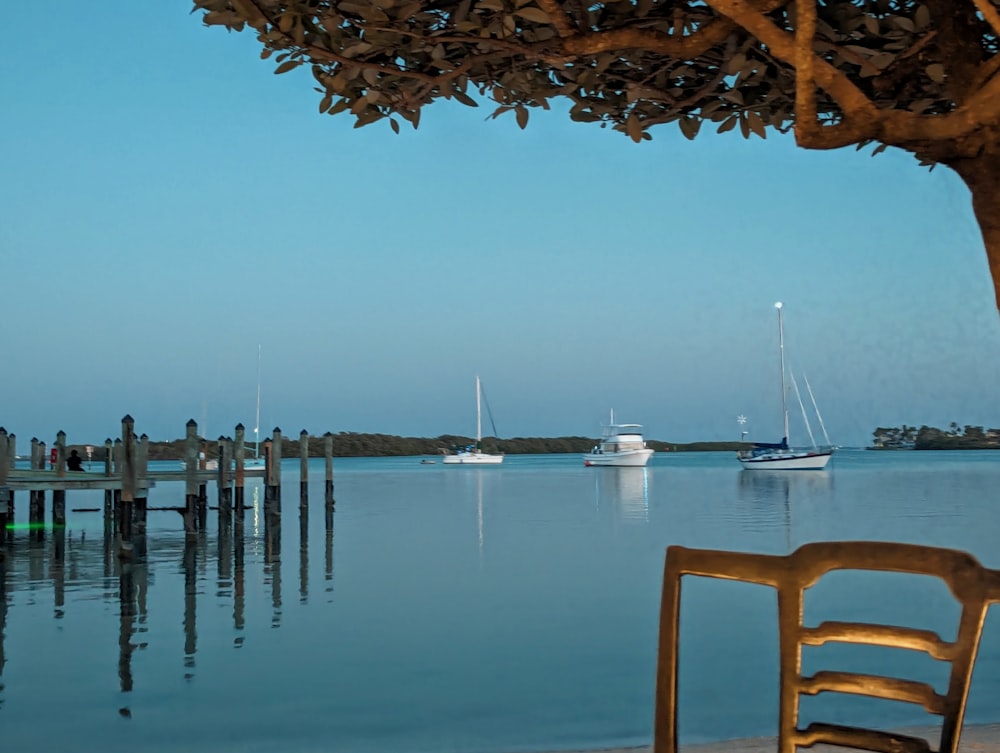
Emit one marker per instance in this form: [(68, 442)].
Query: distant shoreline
[(355, 445)]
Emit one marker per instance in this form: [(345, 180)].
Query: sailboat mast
[(479, 416), (256, 422), (781, 351)]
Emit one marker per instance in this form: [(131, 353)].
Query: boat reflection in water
[(625, 491), (767, 498)]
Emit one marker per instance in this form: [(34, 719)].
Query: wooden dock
[(48, 480), (126, 479)]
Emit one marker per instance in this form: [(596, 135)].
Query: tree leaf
[(287, 66), (689, 127), (633, 126), (756, 124), (922, 17), (935, 72), (465, 99), (394, 125), (521, 113), (728, 124)]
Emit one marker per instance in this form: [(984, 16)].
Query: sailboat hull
[(472, 458), (786, 460)]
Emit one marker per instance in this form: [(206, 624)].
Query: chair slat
[(875, 687), (857, 737), (880, 635)]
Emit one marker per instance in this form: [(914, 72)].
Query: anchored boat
[(620, 445)]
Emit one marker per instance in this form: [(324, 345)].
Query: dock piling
[(109, 495), (328, 456), (141, 494), (239, 480), (59, 495), (191, 480), (303, 468), (11, 459), (225, 492), (272, 490), (5, 491), (125, 547), (36, 497), (118, 460)]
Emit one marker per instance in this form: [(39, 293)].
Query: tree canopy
[(920, 75)]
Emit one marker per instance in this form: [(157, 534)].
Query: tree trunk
[(982, 175)]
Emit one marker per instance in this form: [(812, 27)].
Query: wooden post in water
[(303, 468), (118, 457), (11, 459), (191, 481), (36, 497), (109, 495), (268, 460), (224, 490), (59, 495), (125, 546), (5, 491), (42, 455), (202, 486), (272, 492), (141, 493), (328, 456), (238, 456), (272, 501), (59, 501)]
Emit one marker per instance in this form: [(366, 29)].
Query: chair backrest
[(973, 586)]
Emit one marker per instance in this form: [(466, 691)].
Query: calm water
[(464, 609)]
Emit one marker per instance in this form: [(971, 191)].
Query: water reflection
[(479, 510), (3, 625), (132, 588), (625, 491), (769, 498), (189, 565)]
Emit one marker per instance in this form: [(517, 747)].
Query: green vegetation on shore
[(349, 444), (930, 438), (353, 444)]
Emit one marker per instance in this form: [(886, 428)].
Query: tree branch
[(674, 45), (560, 19), (859, 112), (990, 13)]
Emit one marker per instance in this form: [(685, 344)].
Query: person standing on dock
[(74, 462)]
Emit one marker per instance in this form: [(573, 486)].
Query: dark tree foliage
[(931, 438)]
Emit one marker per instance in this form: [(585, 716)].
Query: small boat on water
[(425, 461), (779, 456), (620, 445), (473, 454)]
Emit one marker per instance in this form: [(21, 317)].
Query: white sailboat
[(779, 456), (473, 454), (256, 460)]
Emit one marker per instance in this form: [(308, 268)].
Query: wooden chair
[(972, 585)]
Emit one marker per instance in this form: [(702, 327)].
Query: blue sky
[(167, 204)]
